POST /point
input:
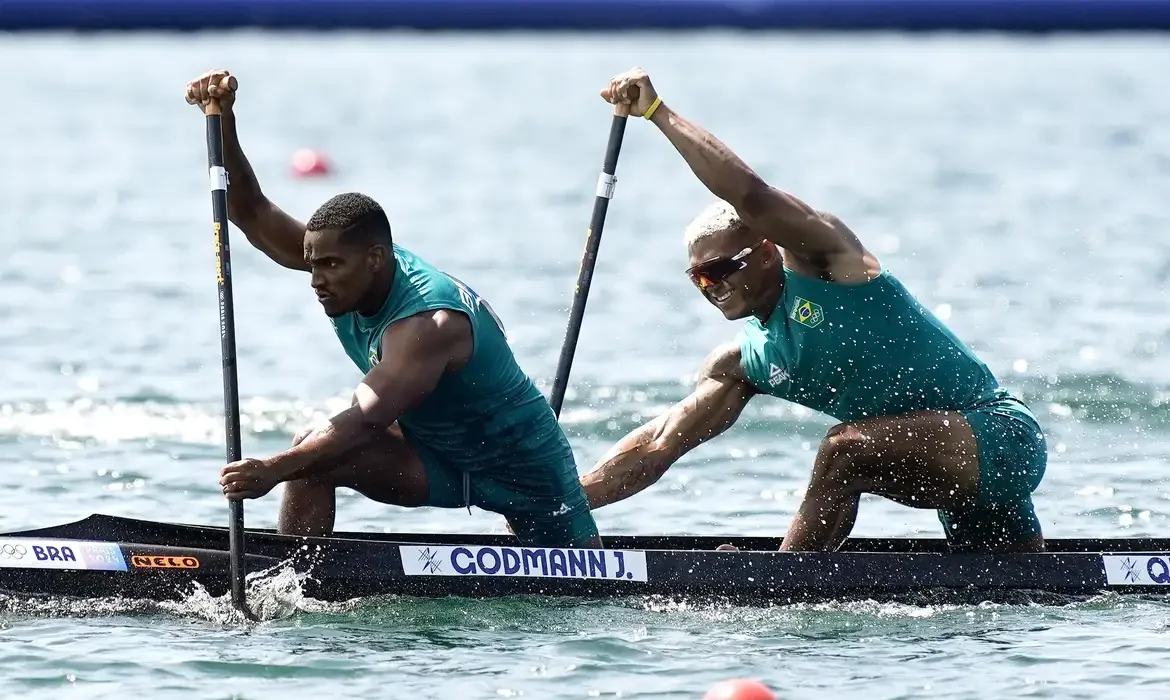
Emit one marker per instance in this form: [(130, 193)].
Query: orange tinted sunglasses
[(711, 272)]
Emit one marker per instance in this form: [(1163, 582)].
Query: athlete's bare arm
[(642, 457), (272, 231), (417, 351), (818, 242)]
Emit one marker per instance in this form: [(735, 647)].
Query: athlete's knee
[(312, 483), (311, 486), (840, 460), (300, 437)]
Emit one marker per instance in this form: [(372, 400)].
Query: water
[(1017, 186)]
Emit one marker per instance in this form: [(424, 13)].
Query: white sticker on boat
[(1137, 569), (26, 553), (538, 562)]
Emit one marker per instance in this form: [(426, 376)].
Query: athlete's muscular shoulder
[(724, 364), (851, 263), (439, 332)]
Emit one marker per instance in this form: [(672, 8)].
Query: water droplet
[(71, 274)]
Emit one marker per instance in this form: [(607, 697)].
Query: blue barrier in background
[(909, 15)]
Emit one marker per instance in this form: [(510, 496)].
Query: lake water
[(1017, 186)]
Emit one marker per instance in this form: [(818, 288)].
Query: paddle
[(605, 187), (227, 336)]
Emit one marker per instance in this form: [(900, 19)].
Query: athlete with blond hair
[(923, 421)]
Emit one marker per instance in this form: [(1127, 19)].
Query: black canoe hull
[(107, 556)]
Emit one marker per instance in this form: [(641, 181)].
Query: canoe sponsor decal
[(26, 553), (1137, 569), (153, 561), (531, 562)]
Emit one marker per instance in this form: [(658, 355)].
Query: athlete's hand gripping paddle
[(227, 334)]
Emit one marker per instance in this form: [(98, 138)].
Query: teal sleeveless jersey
[(489, 415), (855, 351)]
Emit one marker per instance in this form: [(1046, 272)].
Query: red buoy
[(307, 162), (739, 689)]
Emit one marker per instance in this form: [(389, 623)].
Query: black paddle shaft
[(227, 338), (605, 188)]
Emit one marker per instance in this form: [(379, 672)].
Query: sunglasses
[(712, 272)]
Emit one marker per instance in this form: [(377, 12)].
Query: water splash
[(272, 594)]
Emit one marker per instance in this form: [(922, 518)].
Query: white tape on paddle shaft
[(605, 185), (218, 178)]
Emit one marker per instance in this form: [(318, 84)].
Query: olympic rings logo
[(13, 551)]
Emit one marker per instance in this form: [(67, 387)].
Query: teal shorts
[(545, 506), (1013, 455)]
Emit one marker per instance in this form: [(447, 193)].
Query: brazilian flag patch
[(807, 313)]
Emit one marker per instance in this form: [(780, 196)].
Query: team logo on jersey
[(776, 374), (807, 313), (373, 357), (474, 301), (466, 297)]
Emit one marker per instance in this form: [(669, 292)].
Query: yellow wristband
[(653, 106)]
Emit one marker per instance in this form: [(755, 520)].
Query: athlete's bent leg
[(577, 530), (545, 505), (927, 459), (387, 470), (1013, 456)]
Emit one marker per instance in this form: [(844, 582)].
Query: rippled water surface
[(1017, 186)]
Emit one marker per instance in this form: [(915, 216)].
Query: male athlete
[(444, 416), (923, 421)]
